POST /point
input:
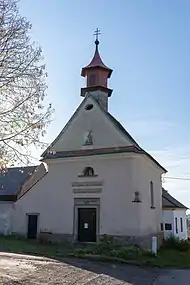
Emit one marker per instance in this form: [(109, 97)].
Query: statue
[(88, 138)]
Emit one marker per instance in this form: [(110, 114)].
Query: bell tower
[(97, 75)]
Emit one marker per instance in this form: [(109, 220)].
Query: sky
[(147, 44)]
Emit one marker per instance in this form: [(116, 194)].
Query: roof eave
[(8, 198), (174, 202), (95, 88), (155, 161), (84, 69), (174, 206)]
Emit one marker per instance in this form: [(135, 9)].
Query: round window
[(89, 107)]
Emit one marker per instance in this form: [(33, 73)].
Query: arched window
[(152, 195), (88, 171)]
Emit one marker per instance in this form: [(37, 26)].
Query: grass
[(21, 245), (166, 257)]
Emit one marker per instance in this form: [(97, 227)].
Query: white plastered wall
[(53, 196), (169, 216), (6, 209), (145, 172)]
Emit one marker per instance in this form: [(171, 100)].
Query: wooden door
[(87, 224), (32, 226)]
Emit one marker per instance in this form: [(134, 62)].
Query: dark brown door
[(87, 224), (32, 226)]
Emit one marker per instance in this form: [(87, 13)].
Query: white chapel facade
[(98, 181)]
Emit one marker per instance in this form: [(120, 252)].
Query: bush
[(176, 243), (148, 253), (43, 241), (107, 249), (126, 252), (80, 251), (107, 240), (106, 245)]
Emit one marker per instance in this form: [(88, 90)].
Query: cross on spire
[(97, 33)]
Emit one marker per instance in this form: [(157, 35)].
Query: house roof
[(45, 153), (39, 172), (96, 62), (134, 148), (119, 126), (13, 178), (168, 201), (87, 152), (99, 151)]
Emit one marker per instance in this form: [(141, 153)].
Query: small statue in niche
[(88, 138), (137, 197)]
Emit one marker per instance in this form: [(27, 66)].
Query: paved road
[(27, 270)]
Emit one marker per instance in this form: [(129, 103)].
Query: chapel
[(94, 178)]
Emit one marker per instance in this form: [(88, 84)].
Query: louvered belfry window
[(92, 79)]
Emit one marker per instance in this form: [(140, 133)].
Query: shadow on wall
[(5, 220)]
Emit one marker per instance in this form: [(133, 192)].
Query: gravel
[(25, 270)]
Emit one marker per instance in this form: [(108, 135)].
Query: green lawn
[(21, 245), (167, 257)]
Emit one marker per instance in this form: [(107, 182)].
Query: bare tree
[(23, 117)]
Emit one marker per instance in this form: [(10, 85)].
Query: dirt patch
[(14, 268), (18, 269)]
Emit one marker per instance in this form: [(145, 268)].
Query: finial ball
[(97, 42)]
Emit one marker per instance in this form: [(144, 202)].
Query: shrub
[(107, 240), (176, 243), (113, 252), (80, 251), (106, 244), (127, 252), (43, 241), (148, 253)]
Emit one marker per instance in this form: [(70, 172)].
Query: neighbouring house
[(94, 179), (174, 217), (10, 184)]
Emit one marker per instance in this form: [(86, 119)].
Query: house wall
[(5, 217), (145, 172), (53, 197), (169, 216), (181, 214)]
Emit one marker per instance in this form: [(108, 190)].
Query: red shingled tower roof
[(96, 62)]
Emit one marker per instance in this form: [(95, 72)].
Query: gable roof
[(134, 148), (65, 127), (39, 172), (110, 117), (168, 201), (13, 178), (119, 126)]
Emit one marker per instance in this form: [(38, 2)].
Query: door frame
[(86, 203), (38, 224)]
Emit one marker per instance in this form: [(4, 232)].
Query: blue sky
[(147, 44)]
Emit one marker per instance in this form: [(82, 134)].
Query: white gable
[(90, 129)]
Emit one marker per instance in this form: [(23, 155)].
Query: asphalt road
[(26, 270)]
